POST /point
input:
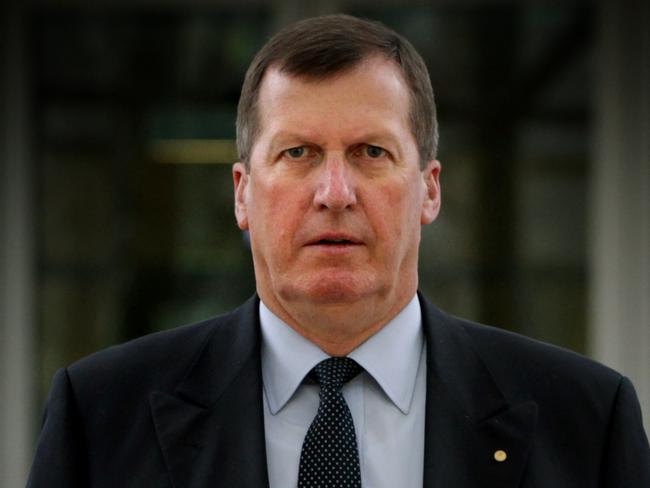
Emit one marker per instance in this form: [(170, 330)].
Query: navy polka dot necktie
[(330, 457)]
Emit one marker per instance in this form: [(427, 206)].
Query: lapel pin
[(500, 456)]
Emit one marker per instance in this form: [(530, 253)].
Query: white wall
[(16, 260), (620, 199)]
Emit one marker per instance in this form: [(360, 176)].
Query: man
[(337, 373)]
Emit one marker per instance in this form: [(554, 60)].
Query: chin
[(332, 289)]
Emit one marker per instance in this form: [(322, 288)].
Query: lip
[(334, 239)]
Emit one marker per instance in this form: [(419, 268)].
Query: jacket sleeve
[(60, 459), (626, 457)]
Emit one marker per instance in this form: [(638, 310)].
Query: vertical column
[(620, 206), (496, 29), (16, 257)]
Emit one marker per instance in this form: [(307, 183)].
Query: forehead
[(369, 92)]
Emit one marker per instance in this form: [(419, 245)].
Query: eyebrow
[(282, 136), (377, 137)]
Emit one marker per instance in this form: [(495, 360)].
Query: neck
[(339, 328)]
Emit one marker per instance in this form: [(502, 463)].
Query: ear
[(240, 180), (432, 198)]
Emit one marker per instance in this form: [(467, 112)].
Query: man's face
[(334, 198)]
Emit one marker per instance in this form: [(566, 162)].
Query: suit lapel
[(468, 419), (211, 428)]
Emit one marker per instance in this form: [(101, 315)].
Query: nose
[(335, 189)]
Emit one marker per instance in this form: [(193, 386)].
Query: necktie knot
[(334, 372)]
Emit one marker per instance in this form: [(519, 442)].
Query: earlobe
[(240, 181), (432, 197)]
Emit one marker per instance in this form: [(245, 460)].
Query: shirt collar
[(391, 357)]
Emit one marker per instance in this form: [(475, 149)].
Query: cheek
[(384, 210), (277, 213), (396, 214)]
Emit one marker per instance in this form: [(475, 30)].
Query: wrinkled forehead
[(327, 71), (367, 81)]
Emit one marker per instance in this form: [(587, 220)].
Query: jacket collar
[(468, 417), (211, 428)]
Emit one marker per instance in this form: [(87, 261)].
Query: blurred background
[(117, 136)]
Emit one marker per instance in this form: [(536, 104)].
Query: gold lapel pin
[(500, 456)]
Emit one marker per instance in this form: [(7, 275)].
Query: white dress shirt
[(387, 400)]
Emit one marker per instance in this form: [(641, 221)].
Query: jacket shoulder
[(585, 410), (529, 369), (156, 361)]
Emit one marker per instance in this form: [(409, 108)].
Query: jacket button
[(500, 456)]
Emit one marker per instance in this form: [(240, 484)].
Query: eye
[(371, 154), (374, 152), (296, 152)]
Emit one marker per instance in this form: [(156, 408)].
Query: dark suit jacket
[(183, 408)]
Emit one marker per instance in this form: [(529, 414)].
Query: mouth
[(334, 240)]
